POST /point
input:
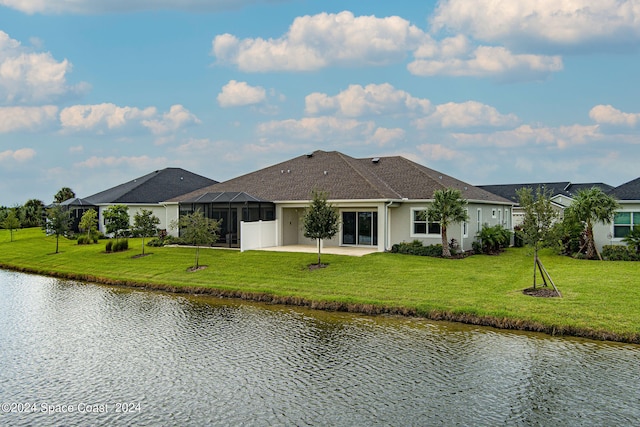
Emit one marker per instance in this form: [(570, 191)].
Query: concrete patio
[(331, 250)]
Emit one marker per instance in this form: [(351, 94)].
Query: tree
[(11, 222), (145, 224), (539, 217), (197, 230), (58, 222), (321, 219), (65, 193), (447, 208), (589, 207), (116, 219), (32, 213), (89, 222)]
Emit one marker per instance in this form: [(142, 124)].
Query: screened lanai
[(231, 207)]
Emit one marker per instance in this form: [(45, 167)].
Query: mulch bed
[(543, 292), (192, 269), (317, 266)]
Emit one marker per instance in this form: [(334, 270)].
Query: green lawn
[(600, 299)]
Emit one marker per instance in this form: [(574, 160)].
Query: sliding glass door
[(360, 228)]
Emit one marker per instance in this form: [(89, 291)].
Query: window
[(420, 225), (493, 213), (479, 220), (623, 222)]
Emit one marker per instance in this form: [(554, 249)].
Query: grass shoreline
[(401, 285)]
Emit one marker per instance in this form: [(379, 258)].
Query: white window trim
[(412, 222), (613, 225), (493, 213)]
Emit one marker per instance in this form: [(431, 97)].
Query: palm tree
[(590, 206), (447, 208)]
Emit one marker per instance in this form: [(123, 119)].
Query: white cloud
[(326, 39), (139, 162), (236, 94), (20, 155), (466, 114), (437, 152), (31, 77), (101, 117), (319, 129), (488, 61), (177, 118), (112, 6), (26, 118), (385, 136), (583, 23), (526, 135), (607, 114), (372, 99)]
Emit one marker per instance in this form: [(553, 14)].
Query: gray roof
[(566, 188), (345, 178), (155, 187), (627, 191), (76, 202)]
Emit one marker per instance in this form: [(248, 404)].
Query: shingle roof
[(344, 178), (154, 187), (76, 202), (627, 191), (565, 188)]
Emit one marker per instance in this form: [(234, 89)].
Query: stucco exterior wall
[(603, 233), (402, 223)]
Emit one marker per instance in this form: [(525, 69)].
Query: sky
[(94, 93)]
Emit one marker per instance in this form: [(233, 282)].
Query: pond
[(80, 354)]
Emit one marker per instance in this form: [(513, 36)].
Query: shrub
[(155, 242), (619, 253), (493, 239), (633, 240), (518, 237), (83, 240), (117, 245), (417, 248)]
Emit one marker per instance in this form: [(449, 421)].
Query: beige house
[(379, 200)]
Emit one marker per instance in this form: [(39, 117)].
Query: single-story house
[(627, 217), (562, 194), (379, 201), (148, 192)]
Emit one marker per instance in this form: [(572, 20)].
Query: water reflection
[(204, 361)]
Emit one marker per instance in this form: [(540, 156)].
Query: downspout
[(387, 231)]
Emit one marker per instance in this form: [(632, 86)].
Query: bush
[(155, 242), (117, 245), (493, 239), (619, 253), (417, 248), (518, 237)]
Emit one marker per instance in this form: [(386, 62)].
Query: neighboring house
[(627, 217), (561, 194), (148, 192), (379, 200)]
